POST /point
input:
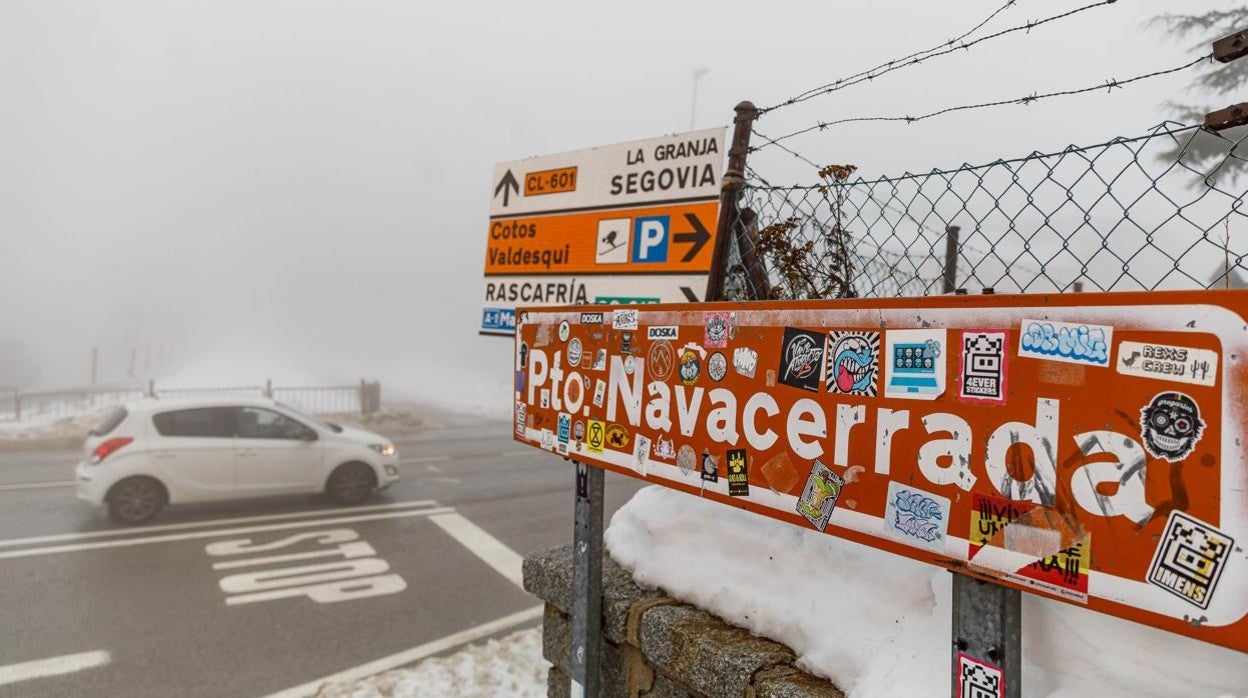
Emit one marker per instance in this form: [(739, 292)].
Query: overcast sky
[(298, 189)]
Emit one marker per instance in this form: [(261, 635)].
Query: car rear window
[(115, 416), (204, 421)]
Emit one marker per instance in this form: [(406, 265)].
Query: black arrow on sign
[(506, 185), (699, 237), (689, 295)]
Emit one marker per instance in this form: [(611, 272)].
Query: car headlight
[(383, 449)]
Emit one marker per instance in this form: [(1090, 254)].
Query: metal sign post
[(987, 639), (587, 582)]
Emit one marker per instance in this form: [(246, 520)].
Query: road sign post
[(987, 649), (587, 583)]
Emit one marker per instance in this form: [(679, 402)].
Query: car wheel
[(351, 483), (136, 500)]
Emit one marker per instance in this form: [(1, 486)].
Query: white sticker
[(1167, 363), (641, 453), (624, 319), (662, 332), (1069, 342), (745, 361)]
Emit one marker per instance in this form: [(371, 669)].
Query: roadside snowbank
[(879, 625), (509, 666), (50, 432)]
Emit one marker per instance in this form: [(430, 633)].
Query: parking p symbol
[(650, 238)]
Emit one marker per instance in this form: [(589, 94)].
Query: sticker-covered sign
[(988, 435), (628, 223)]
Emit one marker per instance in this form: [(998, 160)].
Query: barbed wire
[(1109, 85), (934, 52), (1166, 128)]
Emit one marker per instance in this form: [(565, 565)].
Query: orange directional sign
[(1088, 448), (643, 210), (649, 240)]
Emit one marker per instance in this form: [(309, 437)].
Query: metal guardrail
[(18, 406)]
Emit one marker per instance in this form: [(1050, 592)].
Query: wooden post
[(729, 194)]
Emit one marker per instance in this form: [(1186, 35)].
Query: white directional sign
[(627, 223)]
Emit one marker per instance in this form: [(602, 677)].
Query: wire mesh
[(1140, 213)]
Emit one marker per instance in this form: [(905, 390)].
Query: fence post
[(363, 396), (949, 281), (17, 405), (95, 364), (268, 387), (729, 194), (151, 388)]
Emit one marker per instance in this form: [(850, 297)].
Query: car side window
[(208, 422), (259, 423)]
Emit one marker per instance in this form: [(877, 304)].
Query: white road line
[(491, 550), (125, 542), (425, 459), (37, 485), (57, 538), (53, 666), (419, 652)]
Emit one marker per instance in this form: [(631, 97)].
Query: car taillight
[(108, 448)]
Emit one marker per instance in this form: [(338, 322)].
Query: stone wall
[(658, 647)]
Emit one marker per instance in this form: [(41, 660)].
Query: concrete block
[(704, 652)]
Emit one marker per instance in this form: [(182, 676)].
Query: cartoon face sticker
[(1170, 426), (690, 366), (852, 362)]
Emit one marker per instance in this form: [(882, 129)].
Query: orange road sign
[(649, 240), (1084, 447)]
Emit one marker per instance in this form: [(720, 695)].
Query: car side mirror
[(309, 435)]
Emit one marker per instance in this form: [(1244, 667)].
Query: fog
[(298, 190)]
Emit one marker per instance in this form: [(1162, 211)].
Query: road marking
[(53, 666), (214, 522), (419, 652), (425, 459), (125, 542), (491, 550), (37, 485)]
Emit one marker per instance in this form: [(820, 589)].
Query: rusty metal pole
[(729, 194), (949, 280)]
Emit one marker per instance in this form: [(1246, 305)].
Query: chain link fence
[(1146, 212)]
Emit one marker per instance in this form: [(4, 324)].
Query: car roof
[(181, 402)]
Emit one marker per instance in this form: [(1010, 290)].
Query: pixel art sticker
[(1190, 559), (983, 375)]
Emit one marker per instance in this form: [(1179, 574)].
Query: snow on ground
[(508, 666), (878, 625), (43, 431)]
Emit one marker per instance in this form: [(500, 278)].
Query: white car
[(160, 452)]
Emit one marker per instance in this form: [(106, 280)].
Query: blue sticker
[(498, 320), (916, 517), (1070, 342)]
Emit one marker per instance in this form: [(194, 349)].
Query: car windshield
[(307, 417)]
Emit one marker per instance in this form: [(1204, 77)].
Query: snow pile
[(509, 666), (877, 624), (46, 431)]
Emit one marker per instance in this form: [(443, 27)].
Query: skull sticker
[(1170, 426)]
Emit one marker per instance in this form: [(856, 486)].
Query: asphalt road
[(195, 604)]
